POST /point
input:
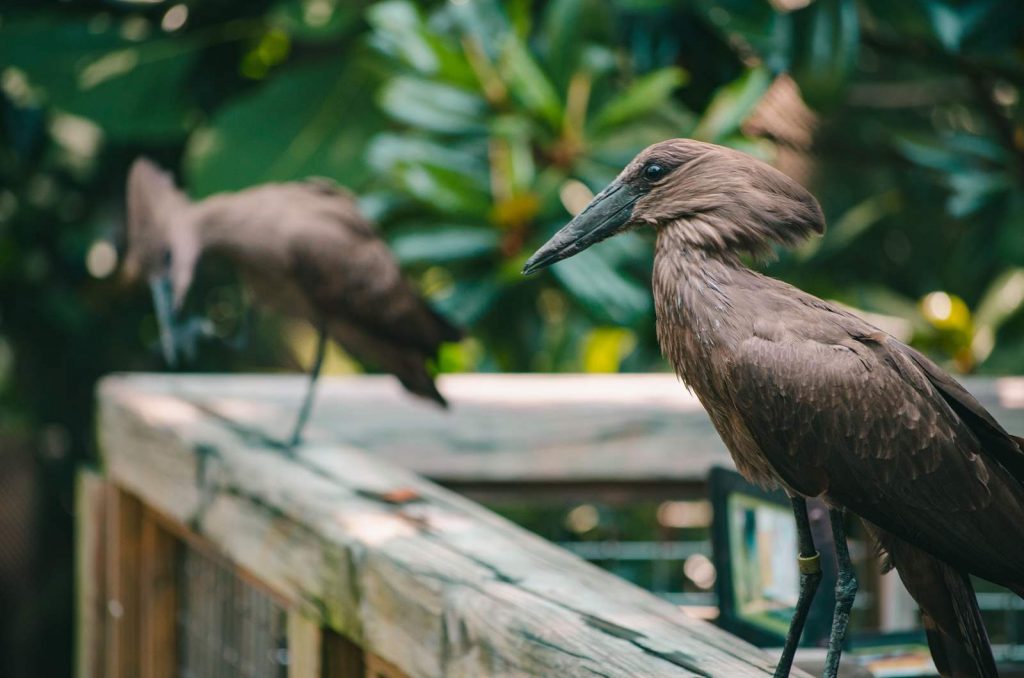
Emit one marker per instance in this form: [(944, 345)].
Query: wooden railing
[(340, 561)]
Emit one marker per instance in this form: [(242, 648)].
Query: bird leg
[(176, 338), (809, 561), (314, 373), (846, 591), (160, 288)]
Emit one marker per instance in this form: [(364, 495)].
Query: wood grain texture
[(304, 646), (340, 657), (433, 585), (90, 597), (510, 428), (158, 601), (123, 515)]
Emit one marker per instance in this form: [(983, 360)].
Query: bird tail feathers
[(422, 384), (447, 331), (956, 633)]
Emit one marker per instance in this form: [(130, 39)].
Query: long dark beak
[(609, 212)]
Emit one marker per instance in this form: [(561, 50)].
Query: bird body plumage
[(808, 396), (304, 250), (811, 397)]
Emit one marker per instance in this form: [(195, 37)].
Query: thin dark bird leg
[(160, 288), (846, 591), (178, 338), (188, 334), (314, 374), (809, 561)]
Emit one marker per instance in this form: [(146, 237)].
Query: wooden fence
[(206, 548)]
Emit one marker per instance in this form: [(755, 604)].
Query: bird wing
[(839, 407), (350, 274), (949, 607), (1006, 448)]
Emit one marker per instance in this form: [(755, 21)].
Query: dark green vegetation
[(468, 126)]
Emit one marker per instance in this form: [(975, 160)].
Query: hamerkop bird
[(303, 249), (814, 399)]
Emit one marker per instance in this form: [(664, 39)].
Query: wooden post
[(123, 532), (303, 646), (89, 574), (157, 599)]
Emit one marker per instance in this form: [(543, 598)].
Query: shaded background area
[(471, 129)]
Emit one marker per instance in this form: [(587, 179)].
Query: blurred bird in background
[(303, 249), (811, 397)]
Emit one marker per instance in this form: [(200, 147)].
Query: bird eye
[(654, 172)]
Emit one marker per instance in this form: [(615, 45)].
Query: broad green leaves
[(498, 118), (644, 96), (110, 71), (731, 105), (307, 120), (824, 42)]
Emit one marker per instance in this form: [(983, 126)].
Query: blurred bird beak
[(160, 287), (609, 212)]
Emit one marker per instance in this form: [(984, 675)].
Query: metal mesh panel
[(226, 627)]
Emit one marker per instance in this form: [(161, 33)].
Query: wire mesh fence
[(227, 628)]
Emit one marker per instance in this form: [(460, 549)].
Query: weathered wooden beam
[(574, 430), (425, 580)]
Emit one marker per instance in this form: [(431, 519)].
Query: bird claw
[(177, 338)]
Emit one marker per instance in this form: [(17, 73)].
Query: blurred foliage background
[(471, 129)]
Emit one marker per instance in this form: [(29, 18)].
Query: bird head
[(712, 197), (152, 199)]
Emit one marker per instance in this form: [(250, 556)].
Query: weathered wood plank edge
[(512, 429), (439, 586)]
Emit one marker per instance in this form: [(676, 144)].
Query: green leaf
[(825, 40), (646, 94), (854, 223), (433, 106), (568, 30), (560, 38), (483, 21), (306, 120), (134, 91), (731, 105), (528, 83), (400, 32), (443, 244), (516, 161), (468, 300), (1003, 299), (972, 190), (390, 152), (753, 23), (443, 190), (316, 21), (607, 292)]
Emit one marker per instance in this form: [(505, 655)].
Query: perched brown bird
[(814, 399), (303, 249)]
